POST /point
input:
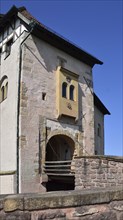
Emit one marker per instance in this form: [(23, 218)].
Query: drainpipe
[(32, 25)]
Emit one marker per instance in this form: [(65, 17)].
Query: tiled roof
[(27, 15)]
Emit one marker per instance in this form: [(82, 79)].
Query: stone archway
[(59, 154), (60, 147)]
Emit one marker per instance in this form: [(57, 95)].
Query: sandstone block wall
[(98, 171), (38, 77), (72, 205)]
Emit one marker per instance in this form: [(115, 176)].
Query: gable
[(49, 36), (12, 30)]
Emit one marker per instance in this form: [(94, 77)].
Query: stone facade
[(77, 205), (98, 172), (36, 119), (38, 75)]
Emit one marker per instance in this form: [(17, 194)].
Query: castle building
[(49, 113)]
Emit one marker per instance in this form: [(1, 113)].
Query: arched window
[(3, 88), (6, 89), (2, 93), (64, 89), (71, 92)]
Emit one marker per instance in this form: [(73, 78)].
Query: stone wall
[(98, 171), (78, 205), (38, 76)]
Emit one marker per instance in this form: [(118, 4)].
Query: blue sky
[(96, 26)]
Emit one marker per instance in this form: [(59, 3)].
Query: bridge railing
[(61, 168)]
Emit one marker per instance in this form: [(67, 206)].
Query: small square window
[(96, 152), (44, 96)]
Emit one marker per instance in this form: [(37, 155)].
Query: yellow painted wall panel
[(66, 106)]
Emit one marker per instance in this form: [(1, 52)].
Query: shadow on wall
[(48, 67)]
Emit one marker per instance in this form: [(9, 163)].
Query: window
[(96, 152), (8, 47), (3, 88), (2, 93), (99, 130), (67, 93), (71, 89), (44, 96), (6, 89), (71, 92), (64, 90)]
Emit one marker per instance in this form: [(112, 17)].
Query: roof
[(48, 35), (100, 105), (51, 37)]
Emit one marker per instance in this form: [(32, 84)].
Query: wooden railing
[(58, 168)]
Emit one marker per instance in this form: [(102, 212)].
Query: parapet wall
[(98, 172), (64, 205)]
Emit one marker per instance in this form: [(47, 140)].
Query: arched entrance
[(59, 154), (60, 148)]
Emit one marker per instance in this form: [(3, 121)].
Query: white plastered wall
[(8, 117)]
